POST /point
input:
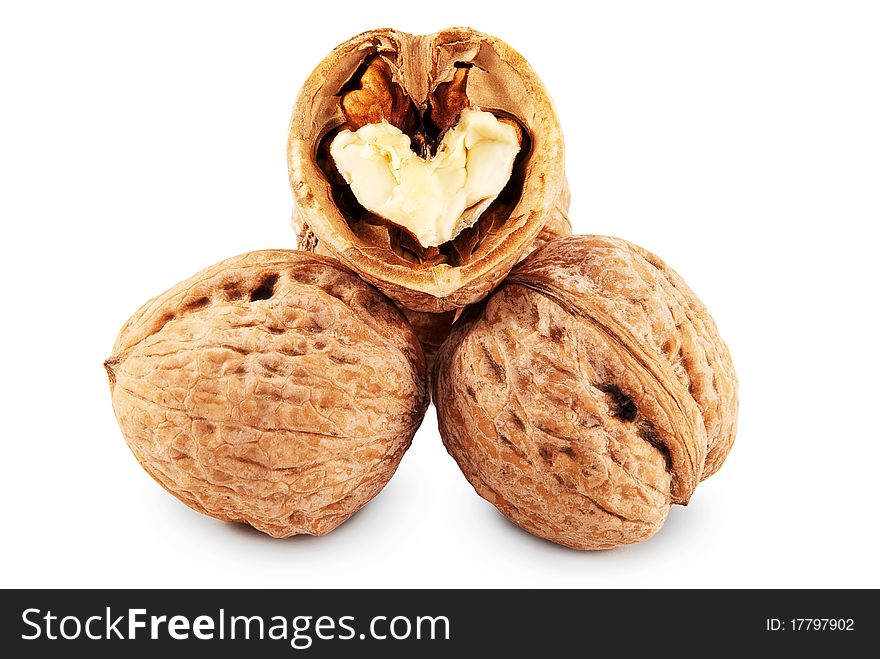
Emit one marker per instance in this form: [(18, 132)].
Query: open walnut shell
[(589, 392), (275, 388), (421, 84)]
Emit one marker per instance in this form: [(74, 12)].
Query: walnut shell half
[(275, 388), (421, 84), (588, 393)]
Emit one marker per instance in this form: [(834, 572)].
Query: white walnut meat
[(275, 388), (436, 196), (423, 89), (587, 394)]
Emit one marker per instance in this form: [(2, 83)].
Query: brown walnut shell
[(275, 388), (412, 81), (589, 392), (433, 328)]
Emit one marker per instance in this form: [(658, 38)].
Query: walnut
[(431, 330), (416, 100), (588, 393), (275, 388), (378, 98)]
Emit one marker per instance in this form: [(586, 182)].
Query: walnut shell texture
[(421, 68), (587, 394), (432, 328), (275, 388)]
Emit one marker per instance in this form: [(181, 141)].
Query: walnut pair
[(579, 383)]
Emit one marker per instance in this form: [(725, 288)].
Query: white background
[(140, 142)]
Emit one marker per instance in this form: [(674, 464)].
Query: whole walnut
[(275, 388), (588, 393)]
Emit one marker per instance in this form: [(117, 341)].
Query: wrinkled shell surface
[(587, 394), (432, 328), (275, 388), (500, 81)]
